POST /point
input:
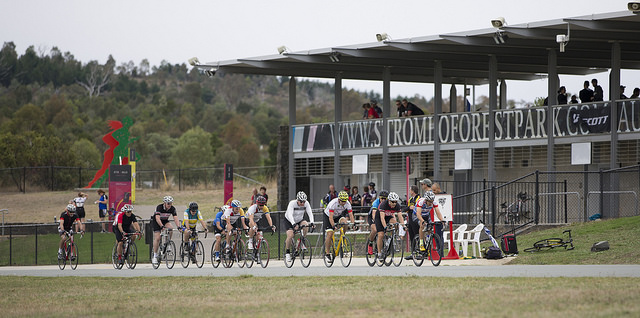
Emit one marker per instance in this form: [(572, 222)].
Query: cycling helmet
[(71, 208), (167, 199), (383, 194), (372, 184), (193, 206), (261, 200), (236, 204), (343, 196), (301, 196), (126, 208), (429, 196), (393, 197)]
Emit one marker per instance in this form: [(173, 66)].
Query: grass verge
[(322, 296)]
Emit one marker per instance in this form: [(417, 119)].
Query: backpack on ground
[(492, 252), (509, 244)]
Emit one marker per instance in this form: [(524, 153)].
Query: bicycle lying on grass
[(551, 243)]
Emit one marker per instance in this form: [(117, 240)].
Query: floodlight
[(283, 49), (334, 57), (500, 37), (634, 6), (498, 22), (194, 61), (382, 37)]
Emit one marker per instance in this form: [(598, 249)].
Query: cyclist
[(294, 219), (415, 197), (252, 218), (191, 217), (387, 211), (234, 209), (336, 211), (371, 218), (160, 220), (79, 202), (67, 218), (125, 220), (425, 207), (218, 228)]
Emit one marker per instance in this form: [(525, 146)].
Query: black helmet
[(372, 184), (261, 200), (383, 194), (193, 206)]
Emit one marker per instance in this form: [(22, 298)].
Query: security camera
[(498, 22), (561, 38), (382, 37), (634, 6), (283, 49), (194, 61)]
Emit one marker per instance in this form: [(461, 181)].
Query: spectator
[(356, 198), (574, 99), (622, 95), (365, 110), (347, 189), (102, 208), (372, 191), (371, 113), (254, 196), (636, 93), (411, 204), (435, 187), (586, 94), (332, 194), (426, 184), (412, 110), (598, 94), (374, 105), (263, 193), (366, 197), (402, 112), (562, 96)]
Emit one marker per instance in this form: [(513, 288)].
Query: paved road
[(453, 268)]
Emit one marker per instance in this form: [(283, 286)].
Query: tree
[(87, 153), (193, 149), (97, 76), (8, 63)]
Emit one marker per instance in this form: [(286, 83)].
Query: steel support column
[(437, 110), (337, 118), (292, 121), (386, 113), (493, 103)]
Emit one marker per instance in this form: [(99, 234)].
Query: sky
[(224, 30)]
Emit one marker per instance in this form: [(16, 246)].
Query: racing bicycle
[(166, 251), (69, 253), (192, 251), (432, 241), (235, 252), (259, 252), (129, 252), (300, 248), (551, 243), (340, 247)]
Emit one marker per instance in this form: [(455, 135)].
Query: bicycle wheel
[(263, 255), (240, 252), (332, 253), (305, 252), (132, 256), (249, 255), (213, 255), (346, 253), (371, 258), (532, 249), (185, 258), (199, 254), (434, 253), (398, 250), (73, 256), (226, 255), (114, 257), (388, 250), (417, 256), (159, 260), (549, 243), (293, 249), (170, 254)]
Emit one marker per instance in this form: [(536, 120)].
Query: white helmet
[(71, 208), (429, 196), (236, 204), (167, 199), (393, 197), (126, 208), (301, 196)]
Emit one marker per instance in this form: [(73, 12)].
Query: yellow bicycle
[(340, 247)]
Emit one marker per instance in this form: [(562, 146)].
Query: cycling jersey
[(228, 213), (255, 208), (295, 213), (164, 213), (191, 219), (79, 201), (337, 208), (125, 220), (68, 218), (374, 205), (427, 211), (218, 218), (387, 209)]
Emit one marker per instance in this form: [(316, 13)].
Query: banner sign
[(513, 124), (119, 188), (228, 183)]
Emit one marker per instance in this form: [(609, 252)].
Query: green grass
[(320, 296), (621, 233)]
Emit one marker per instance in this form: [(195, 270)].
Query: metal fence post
[(24, 179), (10, 245), (79, 177), (279, 231), (565, 201), (493, 209), (537, 205), (91, 244), (179, 179), (36, 244), (601, 193)]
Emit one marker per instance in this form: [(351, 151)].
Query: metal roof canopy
[(465, 55)]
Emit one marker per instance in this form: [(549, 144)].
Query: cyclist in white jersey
[(294, 219), (336, 212)]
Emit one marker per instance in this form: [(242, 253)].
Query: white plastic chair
[(473, 236), (457, 237)]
